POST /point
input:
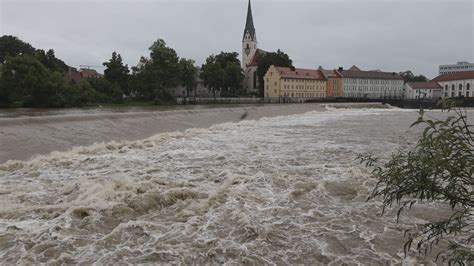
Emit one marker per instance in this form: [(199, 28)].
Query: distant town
[(164, 78)]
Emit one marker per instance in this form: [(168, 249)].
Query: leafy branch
[(439, 168)]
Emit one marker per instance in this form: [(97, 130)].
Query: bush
[(439, 168)]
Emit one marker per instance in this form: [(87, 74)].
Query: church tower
[(249, 41)]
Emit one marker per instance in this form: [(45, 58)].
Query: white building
[(423, 90), (457, 84), (459, 67), (371, 84)]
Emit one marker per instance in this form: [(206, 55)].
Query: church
[(250, 53)]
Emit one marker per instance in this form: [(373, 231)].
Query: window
[(468, 86), (453, 88), (460, 87)]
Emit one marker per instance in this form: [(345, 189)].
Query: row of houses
[(297, 84)]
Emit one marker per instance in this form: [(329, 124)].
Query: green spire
[(249, 27)]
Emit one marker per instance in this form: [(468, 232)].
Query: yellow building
[(285, 84)]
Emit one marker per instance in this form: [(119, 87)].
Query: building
[(423, 90), (200, 91), (371, 84), (75, 76), (284, 84), (250, 54), (334, 83), (89, 73), (459, 67), (458, 84), (72, 75)]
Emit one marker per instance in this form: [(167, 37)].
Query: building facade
[(423, 90), (371, 84), (334, 83), (284, 84), (458, 84), (453, 68)]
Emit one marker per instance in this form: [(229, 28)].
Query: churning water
[(284, 190)]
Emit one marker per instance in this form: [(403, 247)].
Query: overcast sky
[(391, 35)]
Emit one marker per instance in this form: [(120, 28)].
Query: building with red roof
[(458, 84), (294, 84), (423, 90), (334, 83)]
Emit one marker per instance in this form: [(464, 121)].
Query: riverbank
[(26, 133)]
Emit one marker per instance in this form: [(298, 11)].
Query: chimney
[(341, 68), (293, 68)]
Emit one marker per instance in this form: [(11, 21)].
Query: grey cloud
[(388, 35)]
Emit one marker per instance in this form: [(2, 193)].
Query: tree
[(233, 73), (408, 76), (28, 83), (223, 73), (188, 74), (118, 73), (212, 75), (12, 46), (79, 94), (159, 74), (50, 61), (439, 168), (105, 91), (265, 60)]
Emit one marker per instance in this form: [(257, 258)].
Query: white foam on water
[(283, 190)]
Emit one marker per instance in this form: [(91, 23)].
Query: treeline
[(31, 77)]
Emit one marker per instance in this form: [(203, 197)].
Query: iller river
[(276, 184)]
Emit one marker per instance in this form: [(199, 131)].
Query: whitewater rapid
[(280, 190)]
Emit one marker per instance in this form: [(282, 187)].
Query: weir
[(34, 133)]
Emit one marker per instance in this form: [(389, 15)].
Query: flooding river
[(283, 189)]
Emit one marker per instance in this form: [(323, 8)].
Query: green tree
[(50, 61), (118, 73), (223, 73), (28, 83), (105, 91), (439, 168), (188, 74), (159, 74), (408, 76), (79, 94), (12, 46), (213, 75)]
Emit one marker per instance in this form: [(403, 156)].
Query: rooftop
[(355, 72), (287, 72), (424, 85), (455, 76)]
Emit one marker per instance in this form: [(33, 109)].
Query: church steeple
[(249, 27), (249, 42)]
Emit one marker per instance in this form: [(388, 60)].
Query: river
[(240, 185)]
